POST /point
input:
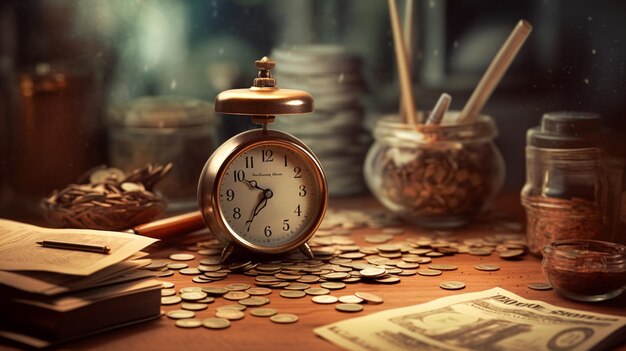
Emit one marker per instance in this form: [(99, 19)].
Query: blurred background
[(75, 76)]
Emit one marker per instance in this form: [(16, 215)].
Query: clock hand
[(253, 184), (267, 193)]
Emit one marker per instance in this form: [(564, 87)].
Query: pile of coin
[(338, 262), (334, 131), (107, 199), (438, 181)]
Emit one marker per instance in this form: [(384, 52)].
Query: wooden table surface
[(253, 333)]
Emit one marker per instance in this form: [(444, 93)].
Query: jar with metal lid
[(437, 176), (572, 188), (164, 129)]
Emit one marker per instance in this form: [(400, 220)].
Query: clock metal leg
[(306, 250), (227, 251)]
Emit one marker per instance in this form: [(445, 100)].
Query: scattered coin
[(254, 301), (324, 299), (429, 272), (215, 291), (369, 297), (180, 314), (259, 291), (167, 285), (238, 287), (193, 296), (232, 307), (292, 294), (540, 286), (348, 307), (317, 291), (442, 267), (350, 299), (333, 285), (208, 299), (177, 266), (194, 306), (188, 323), (451, 285), (190, 271), (230, 314), (236, 295), (170, 300), (284, 318), (182, 257), (388, 280), (168, 292), (216, 323), (514, 253), (373, 272), (297, 286), (487, 267), (263, 312), (190, 289)]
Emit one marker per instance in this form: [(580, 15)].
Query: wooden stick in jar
[(440, 109), (408, 44), (495, 72), (403, 70)]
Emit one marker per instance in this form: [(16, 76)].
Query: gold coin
[(232, 307), (388, 280), (540, 286), (180, 314), (442, 267), (236, 295), (297, 286), (215, 291), (350, 299), (348, 307), (216, 323), (487, 267), (429, 272), (259, 291), (237, 287), (408, 265), (230, 314), (194, 306), (324, 299), (168, 292), (336, 275), (188, 323), (193, 296), (451, 285), (284, 318), (317, 291), (167, 285), (170, 300), (292, 294), (263, 312), (177, 266), (166, 273), (373, 272), (369, 297), (333, 285), (254, 301), (514, 253), (407, 272), (182, 257), (208, 299), (189, 271), (190, 289)]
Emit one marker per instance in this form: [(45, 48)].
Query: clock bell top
[(264, 98)]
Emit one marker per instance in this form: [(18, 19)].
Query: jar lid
[(162, 112), (567, 130)]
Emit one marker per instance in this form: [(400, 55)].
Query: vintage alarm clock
[(263, 190)]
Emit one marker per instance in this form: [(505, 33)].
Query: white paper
[(19, 249)]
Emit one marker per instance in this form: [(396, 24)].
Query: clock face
[(269, 195)]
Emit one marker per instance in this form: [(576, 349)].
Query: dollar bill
[(494, 319)]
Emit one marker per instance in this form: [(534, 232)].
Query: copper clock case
[(211, 180)]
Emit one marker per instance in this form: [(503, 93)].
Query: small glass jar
[(437, 176), (572, 189), (160, 130), (585, 270)]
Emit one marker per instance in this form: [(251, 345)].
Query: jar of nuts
[(437, 176)]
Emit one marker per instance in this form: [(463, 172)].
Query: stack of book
[(52, 295)]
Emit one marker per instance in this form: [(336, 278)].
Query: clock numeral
[(298, 211), (285, 225), (268, 231), (302, 192), (267, 155), (249, 161), (239, 175), (285, 160), (237, 213), (298, 172), (230, 194)]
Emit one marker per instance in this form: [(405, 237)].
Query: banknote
[(494, 319)]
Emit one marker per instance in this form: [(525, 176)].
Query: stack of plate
[(335, 130)]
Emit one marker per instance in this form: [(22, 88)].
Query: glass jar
[(437, 176), (585, 270), (160, 130), (571, 189)]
